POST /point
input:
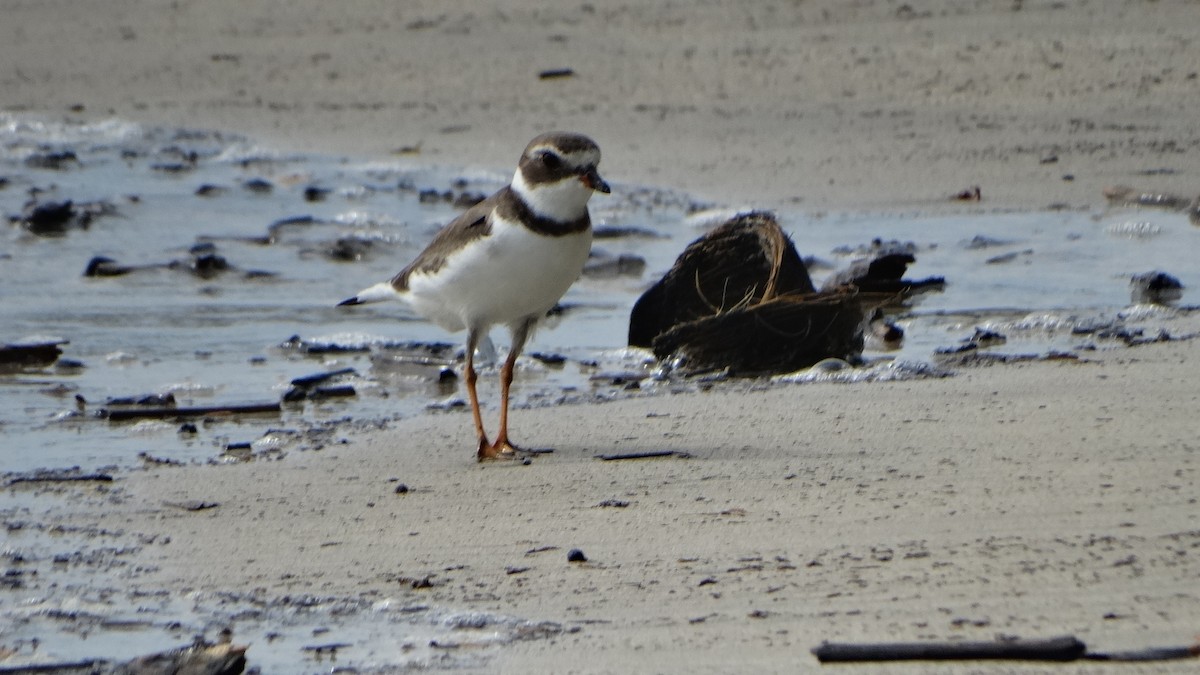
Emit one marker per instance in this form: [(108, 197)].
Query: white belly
[(507, 276)]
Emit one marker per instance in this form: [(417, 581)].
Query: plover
[(507, 260)]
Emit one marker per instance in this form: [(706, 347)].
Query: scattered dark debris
[(980, 241), (613, 504), (193, 505), (884, 332), (603, 266), (258, 186), (650, 454), (1155, 287), (203, 263), (969, 355), (308, 386), (201, 658), (121, 415), (620, 378), (432, 196), (101, 266), (971, 194), (329, 648), (466, 200), (1054, 649), (510, 570), (883, 274), (54, 160), (349, 249), (576, 555), (55, 219), (548, 359), (313, 193), (151, 460), (540, 549), (1065, 648), (1121, 195), (985, 337), (210, 190), (73, 475), (435, 350), (1005, 258), (618, 232), (158, 400), (339, 391), (35, 356), (320, 378)]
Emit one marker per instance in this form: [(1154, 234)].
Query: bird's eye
[(551, 160)]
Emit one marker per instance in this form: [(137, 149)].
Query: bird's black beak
[(592, 179)]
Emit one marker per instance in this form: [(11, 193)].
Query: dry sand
[(830, 104), (1032, 500)]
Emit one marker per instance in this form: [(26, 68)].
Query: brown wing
[(472, 224)]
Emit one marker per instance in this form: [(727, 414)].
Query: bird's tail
[(377, 293)]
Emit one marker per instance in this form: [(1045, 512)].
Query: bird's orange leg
[(472, 377), (503, 447)]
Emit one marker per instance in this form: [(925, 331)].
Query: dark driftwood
[(740, 299), (1066, 648), (884, 274), (163, 413)]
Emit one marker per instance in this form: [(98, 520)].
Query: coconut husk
[(740, 299), (742, 262), (779, 335)]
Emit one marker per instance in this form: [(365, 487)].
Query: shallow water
[(216, 340)]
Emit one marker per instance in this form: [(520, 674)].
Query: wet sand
[(1031, 500)]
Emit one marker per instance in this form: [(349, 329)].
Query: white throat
[(563, 201)]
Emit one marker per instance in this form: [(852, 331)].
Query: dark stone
[(49, 218), (101, 266), (313, 193), (258, 185), (1155, 287), (55, 161), (576, 555)]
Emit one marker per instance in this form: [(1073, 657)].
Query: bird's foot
[(501, 449)]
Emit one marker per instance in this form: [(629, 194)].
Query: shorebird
[(507, 260)]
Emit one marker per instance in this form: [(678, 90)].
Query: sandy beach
[(1035, 499)]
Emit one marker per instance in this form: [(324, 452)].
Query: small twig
[(85, 666), (161, 413), (1148, 654), (1066, 648), (642, 455), (318, 378), (57, 478)]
